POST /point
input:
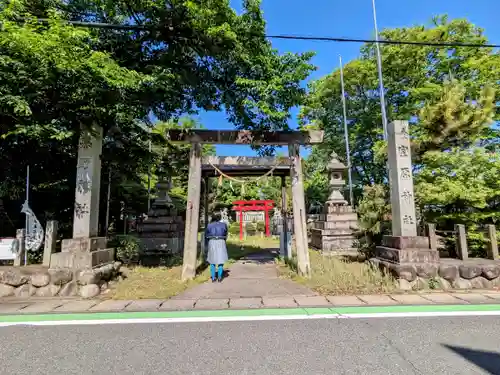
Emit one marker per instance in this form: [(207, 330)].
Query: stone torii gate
[(292, 139)]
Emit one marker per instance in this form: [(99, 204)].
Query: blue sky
[(352, 19)]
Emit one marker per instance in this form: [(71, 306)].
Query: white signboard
[(8, 248)]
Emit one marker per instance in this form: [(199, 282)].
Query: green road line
[(311, 311), (414, 309)]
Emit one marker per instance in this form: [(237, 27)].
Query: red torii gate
[(253, 205)]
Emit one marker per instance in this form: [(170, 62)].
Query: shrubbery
[(127, 248)]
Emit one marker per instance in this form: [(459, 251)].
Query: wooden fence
[(439, 238)]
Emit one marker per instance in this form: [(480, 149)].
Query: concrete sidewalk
[(73, 306)]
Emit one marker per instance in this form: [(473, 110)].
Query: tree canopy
[(183, 57)]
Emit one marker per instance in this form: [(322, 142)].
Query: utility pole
[(379, 68), (346, 134)]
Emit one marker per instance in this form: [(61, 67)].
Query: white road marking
[(249, 318)]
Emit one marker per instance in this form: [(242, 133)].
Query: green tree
[(414, 76), (52, 84), (461, 187), (449, 95), (57, 78)]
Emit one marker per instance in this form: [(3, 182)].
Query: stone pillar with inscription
[(404, 251), (334, 232), (86, 249)]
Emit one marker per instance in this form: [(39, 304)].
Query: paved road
[(466, 345)]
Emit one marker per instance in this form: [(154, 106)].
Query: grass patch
[(165, 282), (334, 276)]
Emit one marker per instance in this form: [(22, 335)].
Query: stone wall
[(447, 274), (38, 281)]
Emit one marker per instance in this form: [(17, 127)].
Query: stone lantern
[(336, 171), (334, 232), (162, 232), (163, 201)]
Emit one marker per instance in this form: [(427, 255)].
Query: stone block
[(406, 242), (144, 305), (426, 271), (14, 277), (245, 303), (492, 295), (406, 272), (473, 297), (405, 256), (212, 304), (345, 301), (311, 301), (410, 299), (443, 284), (85, 277), (347, 231), (25, 291), (443, 298), (461, 284), (9, 308), (377, 300), (481, 283), (177, 304), (75, 306), (83, 244), (103, 256), (404, 285), (81, 260), (167, 244), (491, 271), (106, 271), (160, 212), (40, 279), (60, 276), (469, 271), (448, 272), (162, 220), (348, 217), (279, 302), (111, 305), (41, 307), (171, 227), (48, 291), (69, 290), (339, 210), (7, 290)]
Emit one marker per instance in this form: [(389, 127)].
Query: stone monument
[(162, 232), (334, 232), (224, 216), (86, 249), (403, 247)]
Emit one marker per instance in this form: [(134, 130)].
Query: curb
[(250, 315)]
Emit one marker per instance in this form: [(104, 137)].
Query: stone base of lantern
[(162, 235), (334, 231)]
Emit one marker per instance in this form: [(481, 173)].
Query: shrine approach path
[(253, 276)]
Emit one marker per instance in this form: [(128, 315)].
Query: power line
[(111, 26), (382, 41)]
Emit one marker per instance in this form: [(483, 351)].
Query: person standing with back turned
[(216, 235)]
